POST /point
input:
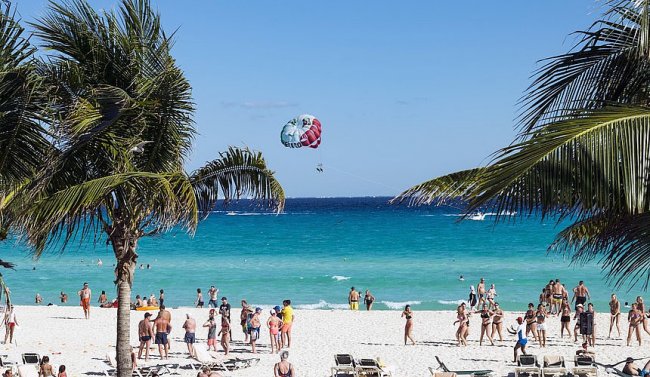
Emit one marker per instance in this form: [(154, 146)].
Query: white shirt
[(521, 331)]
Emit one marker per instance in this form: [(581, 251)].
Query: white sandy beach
[(63, 334)]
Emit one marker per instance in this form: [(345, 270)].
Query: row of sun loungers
[(528, 365), (347, 366)]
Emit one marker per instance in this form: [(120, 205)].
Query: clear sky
[(405, 90)]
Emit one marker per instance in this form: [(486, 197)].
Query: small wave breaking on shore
[(399, 304)]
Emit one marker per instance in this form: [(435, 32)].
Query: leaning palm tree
[(583, 152), (119, 119)]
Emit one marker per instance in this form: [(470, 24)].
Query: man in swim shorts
[(521, 337), (287, 318), (145, 333), (213, 293), (480, 288), (353, 299), (84, 295), (190, 333), (558, 293), (580, 294), (163, 327)]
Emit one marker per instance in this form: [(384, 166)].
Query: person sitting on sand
[(521, 338), (284, 367), (145, 334), (408, 328), (190, 333), (585, 351), (631, 369), (212, 331), (45, 369), (615, 315)]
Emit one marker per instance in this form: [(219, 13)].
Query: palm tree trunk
[(124, 246)]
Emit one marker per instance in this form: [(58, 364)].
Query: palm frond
[(441, 190)]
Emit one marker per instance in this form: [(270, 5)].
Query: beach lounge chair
[(437, 373), (345, 366), (31, 358), (527, 365), (138, 372), (478, 372), (554, 366), (371, 368), (27, 370), (585, 366), (203, 356)]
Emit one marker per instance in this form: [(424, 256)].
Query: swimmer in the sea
[(461, 278)]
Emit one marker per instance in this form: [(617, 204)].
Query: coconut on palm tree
[(583, 151), (117, 130)]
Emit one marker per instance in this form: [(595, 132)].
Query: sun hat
[(272, 311)]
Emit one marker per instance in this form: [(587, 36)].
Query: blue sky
[(405, 91)]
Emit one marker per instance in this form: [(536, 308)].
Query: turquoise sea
[(315, 251)]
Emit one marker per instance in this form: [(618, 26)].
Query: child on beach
[(212, 331), (225, 334)]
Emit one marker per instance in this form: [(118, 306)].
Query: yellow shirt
[(287, 314)]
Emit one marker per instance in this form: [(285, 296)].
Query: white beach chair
[(528, 365), (110, 358), (203, 356), (554, 366), (344, 366), (585, 366), (27, 370), (371, 368)]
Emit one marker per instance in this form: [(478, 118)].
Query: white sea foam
[(399, 305), (340, 278), (450, 302), (322, 304)]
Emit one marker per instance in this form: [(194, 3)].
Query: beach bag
[(249, 317)]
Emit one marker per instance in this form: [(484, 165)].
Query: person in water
[(368, 299), (408, 328), (353, 299), (497, 321), (472, 298)]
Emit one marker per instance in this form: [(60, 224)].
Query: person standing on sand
[(615, 312), (190, 333), (541, 316), (485, 324), (274, 324), (243, 318), (497, 321), (461, 319), (521, 338), (565, 319), (256, 324), (634, 318), (353, 299), (225, 334), (212, 331), (408, 328), (145, 334), (163, 328), (531, 321), (199, 298), (481, 292), (580, 294), (85, 295), (368, 299), (287, 318), (558, 293), (213, 293), (284, 367), (10, 324)]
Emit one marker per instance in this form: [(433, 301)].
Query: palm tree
[(583, 151), (119, 117)]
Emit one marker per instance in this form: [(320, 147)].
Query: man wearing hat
[(145, 333), (521, 337)]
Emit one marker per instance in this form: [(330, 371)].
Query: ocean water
[(315, 251)]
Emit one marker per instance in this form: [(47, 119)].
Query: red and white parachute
[(301, 131)]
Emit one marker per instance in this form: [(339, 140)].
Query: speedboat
[(478, 216)]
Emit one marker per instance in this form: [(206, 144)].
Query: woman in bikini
[(565, 319), (461, 319), (368, 299), (641, 307), (408, 328), (45, 369), (274, 324), (497, 321), (541, 316), (615, 311), (283, 368), (531, 321), (634, 318), (485, 323)]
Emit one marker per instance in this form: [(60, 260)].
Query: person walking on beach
[(224, 310), (163, 328), (491, 295), (213, 293), (497, 321), (199, 298), (10, 324), (368, 299), (641, 307), (212, 331), (85, 295), (225, 335), (243, 318), (580, 294), (486, 314), (284, 367), (558, 294), (274, 324), (615, 315), (287, 318), (145, 334), (353, 299), (521, 338), (634, 319), (531, 321), (190, 333), (481, 292), (565, 319), (255, 325), (462, 319), (541, 316), (408, 328)]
